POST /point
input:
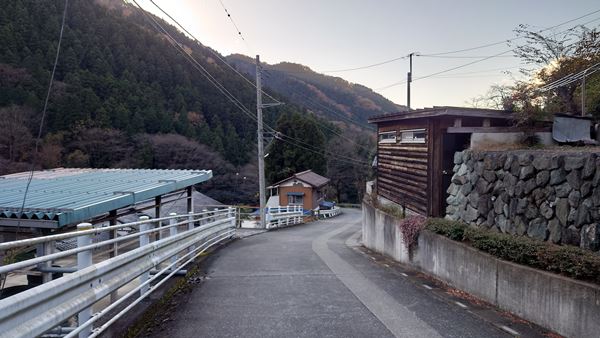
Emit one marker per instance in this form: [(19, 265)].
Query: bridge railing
[(278, 217), (163, 247), (335, 211)]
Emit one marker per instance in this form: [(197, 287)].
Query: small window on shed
[(387, 137), (413, 136)]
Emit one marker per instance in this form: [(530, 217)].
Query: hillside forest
[(123, 97)]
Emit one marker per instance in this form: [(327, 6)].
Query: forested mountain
[(124, 97), (329, 96)]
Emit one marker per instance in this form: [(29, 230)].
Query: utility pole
[(261, 150), (583, 94), (409, 80)]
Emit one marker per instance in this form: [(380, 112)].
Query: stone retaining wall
[(541, 194)]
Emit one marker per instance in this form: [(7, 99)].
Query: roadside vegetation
[(565, 260)]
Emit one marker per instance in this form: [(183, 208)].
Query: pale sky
[(340, 34)]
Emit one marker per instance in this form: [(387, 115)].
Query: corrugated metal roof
[(68, 196)]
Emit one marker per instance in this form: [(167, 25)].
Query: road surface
[(311, 281)]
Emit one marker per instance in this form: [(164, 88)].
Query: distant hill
[(329, 96), (124, 97)]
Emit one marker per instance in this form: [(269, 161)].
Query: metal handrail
[(159, 274), (95, 231), (66, 253), (43, 308)]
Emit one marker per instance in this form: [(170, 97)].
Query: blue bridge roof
[(65, 196)]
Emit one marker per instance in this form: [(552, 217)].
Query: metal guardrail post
[(84, 259), (191, 227), (232, 214), (173, 232), (144, 240), (204, 219)]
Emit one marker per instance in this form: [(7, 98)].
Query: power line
[(235, 70), (487, 70), (39, 135), (486, 58), (212, 51), (340, 114), (331, 130), (234, 24), (463, 56), (196, 64), (444, 71), (348, 160), (570, 78), (367, 66), (467, 49), (213, 81)]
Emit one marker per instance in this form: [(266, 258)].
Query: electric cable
[(212, 51)]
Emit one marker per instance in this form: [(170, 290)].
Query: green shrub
[(567, 260), (451, 229)]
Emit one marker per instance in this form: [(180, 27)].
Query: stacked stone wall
[(551, 196)]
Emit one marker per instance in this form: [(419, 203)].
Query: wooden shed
[(415, 152)]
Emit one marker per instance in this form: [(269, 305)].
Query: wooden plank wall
[(402, 169)]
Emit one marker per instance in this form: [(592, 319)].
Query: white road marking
[(461, 305), (401, 321), (427, 287), (403, 274), (509, 330)]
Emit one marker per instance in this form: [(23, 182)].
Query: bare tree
[(555, 55)]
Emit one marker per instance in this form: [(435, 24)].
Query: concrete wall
[(564, 305)]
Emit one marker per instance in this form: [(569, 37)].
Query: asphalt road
[(309, 281)]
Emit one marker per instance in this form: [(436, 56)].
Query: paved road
[(306, 281)]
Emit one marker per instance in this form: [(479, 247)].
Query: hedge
[(566, 260)]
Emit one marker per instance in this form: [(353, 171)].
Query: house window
[(387, 137), (413, 136), (295, 200)]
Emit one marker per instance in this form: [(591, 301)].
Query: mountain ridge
[(330, 96)]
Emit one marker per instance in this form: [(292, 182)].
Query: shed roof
[(62, 196), (436, 111), (307, 176)]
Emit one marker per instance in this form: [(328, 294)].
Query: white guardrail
[(330, 212), (278, 217), (155, 257)]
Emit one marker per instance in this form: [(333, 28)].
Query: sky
[(328, 35)]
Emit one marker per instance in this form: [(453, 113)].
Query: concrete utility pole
[(409, 80), (583, 94), (261, 150)]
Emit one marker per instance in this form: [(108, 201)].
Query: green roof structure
[(63, 196)]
